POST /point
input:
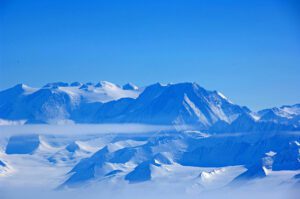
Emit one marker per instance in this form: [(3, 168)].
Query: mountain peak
[(130, 86), (20, 89), (22, 86), (184, 103)]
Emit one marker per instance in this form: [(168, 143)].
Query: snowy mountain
[(289, 115), (249, 123), (193, 162), (58, 102), (183, 103), (164, 104), (161, 154)]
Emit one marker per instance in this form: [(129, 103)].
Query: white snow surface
[(48, 167), (102, 92)]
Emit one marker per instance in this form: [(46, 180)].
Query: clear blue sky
[(249, 50)]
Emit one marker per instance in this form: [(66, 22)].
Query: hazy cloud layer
[(84, 129)]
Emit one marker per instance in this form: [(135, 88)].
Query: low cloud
[(84, 129), (148, 192)]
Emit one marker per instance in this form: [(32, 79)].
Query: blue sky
[(249, 50)]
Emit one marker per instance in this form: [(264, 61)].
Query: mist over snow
[(85, 129), (203, 101), (149, 161), (182, 104), (161, 141)]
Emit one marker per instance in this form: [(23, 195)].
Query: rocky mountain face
[(171, 104)]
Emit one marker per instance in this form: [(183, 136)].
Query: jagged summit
[(276, 113), (184, 103)]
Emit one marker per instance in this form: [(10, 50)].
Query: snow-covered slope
[(22, 144), (249, 123), (190, 162), (288, 115), (155, 159), (185, 104), (58, 102)]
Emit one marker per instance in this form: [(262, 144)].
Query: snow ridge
[(163, 104)]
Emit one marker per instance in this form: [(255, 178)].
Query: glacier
[(159, 141), (195, 163), (160, 104)]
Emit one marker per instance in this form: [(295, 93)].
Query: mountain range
[(220, 146), (190, 160), (185, 104)]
